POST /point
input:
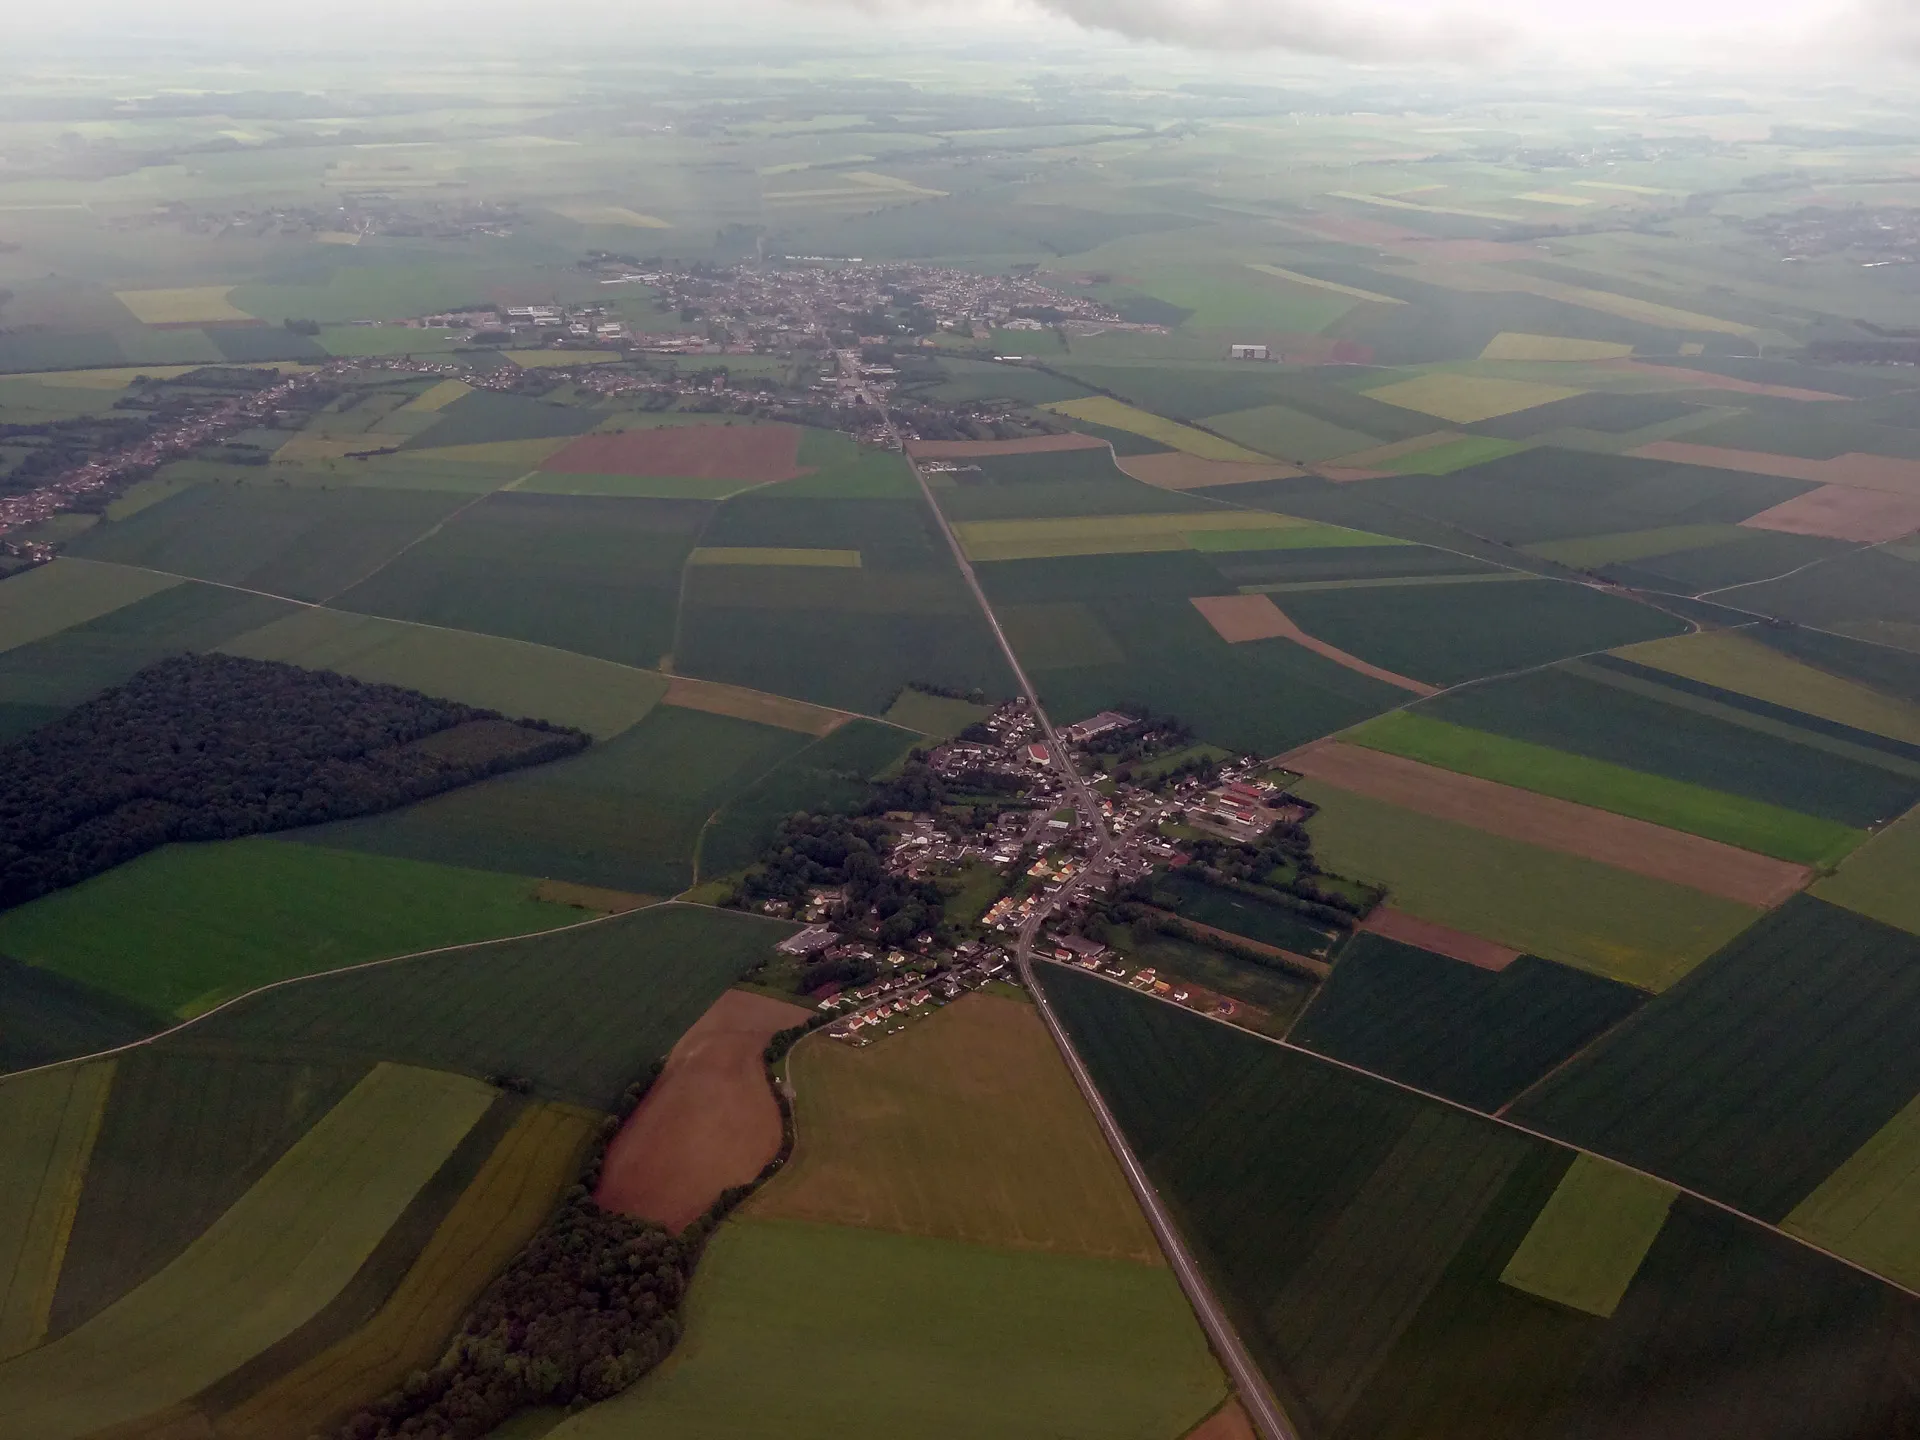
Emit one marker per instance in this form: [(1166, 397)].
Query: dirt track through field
[(1580, 830), (1238, 618), (708, 1122), (1392, 924), (1031, 445)]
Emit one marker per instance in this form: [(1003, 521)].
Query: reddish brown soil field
[(1229, 1422), (1255, 617), (1617, 840), (1707, 380), (1174, 470), (1841, 512), (1032, 445), (699, 452), (709, 1121), (1454, 944)]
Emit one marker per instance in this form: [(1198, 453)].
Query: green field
[(487, 417), (515, 1007), (1876, 880), (1735, 819), (511, 676), (51, 1018), (627, 814), (44, 677), (935, 716), (1448, 634), (939, 1339), (1865, 1209), (51, 1121), (183, 1137), (1625, 927), (1476, 1036), (1263, 921), (185, 927), (1277, 994), (304, 543), (1650, 731), (830, 774), (1288, 434), (1590, 1239), (48, 599), (265, 1267), (892, 1137), (591, 574), (1760, 1073)]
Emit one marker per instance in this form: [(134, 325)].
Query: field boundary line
[(1514, 1125), (509, 639), (700, 840), (290, 980), (431, 531), (1811, 564)]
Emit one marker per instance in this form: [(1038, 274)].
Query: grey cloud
[(1343, 30)]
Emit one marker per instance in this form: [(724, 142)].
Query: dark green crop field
[(1549, 494), (1258, 920), (306, 543), (1449, 633), (1870, 595), (626, 814), (56, 673), (1358, 1237), (1893, 672), (1568, 711), (831, 773), (1713, 567), (1472, 1035), (486, 416), (1603, 410), (1761, 1070), (183, 1137), (1055, 483), (1343, 562), (49, 1018), (581, 1013), (1184, 393), (586, 573)]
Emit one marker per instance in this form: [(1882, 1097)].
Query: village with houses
[(1043, 860)]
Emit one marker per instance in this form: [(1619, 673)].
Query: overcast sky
[(1470, 33)]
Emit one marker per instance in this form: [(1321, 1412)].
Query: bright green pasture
[(1734, 819), (935, 716), (185, 927), (515, 677), (265, 1268), (840, 1332), (1626, 927)]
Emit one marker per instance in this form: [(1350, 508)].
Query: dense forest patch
[(211, 747)]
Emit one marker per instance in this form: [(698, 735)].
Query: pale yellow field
[(1100, 410), (1390, 203), (1297, 278), (715, 698), (612, 215), (117, 379), (1587, 1243), (439, 397), (1516, 345), (1733, 662), (200, 304), (774, 555), (1548, 197), (1466, 398), (265, 1267), (48, 1123)]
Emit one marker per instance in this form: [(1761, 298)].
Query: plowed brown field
[(1842, 512), (1237, 618), (1440, 939), (1229, 1422), (700, 452), (1616, 840), (709, 1122), (1175, 470)]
